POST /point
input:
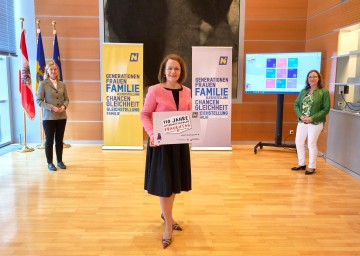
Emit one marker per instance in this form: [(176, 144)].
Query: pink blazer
[(158, 99)]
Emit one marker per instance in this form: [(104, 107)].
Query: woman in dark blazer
[(53, 98)]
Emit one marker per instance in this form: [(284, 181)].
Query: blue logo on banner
[(223, 60), (134, 57)]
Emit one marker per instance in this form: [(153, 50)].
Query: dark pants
[(54, 129)]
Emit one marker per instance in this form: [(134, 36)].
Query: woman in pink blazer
[(168, 168)]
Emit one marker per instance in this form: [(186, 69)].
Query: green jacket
[(320, 107)]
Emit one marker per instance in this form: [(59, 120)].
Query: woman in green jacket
[(311, 107)]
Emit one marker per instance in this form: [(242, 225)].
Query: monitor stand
[(278, 133)]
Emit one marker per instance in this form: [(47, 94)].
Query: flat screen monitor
[(279, 73)]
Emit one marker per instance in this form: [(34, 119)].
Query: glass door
[(5, 122)]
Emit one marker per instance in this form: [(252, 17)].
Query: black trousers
[(54, 129)]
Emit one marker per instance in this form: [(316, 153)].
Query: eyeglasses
[(312, 77), (171, 69)]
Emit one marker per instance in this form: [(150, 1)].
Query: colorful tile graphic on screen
[(270, 83), (271, 63), (279, 73), (280, 83), (292, 73), (270, 73), (293, 62), (281, 63)]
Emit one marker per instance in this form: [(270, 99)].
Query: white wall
[(25, 9)]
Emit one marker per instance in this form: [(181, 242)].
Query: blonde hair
[(48, 65)]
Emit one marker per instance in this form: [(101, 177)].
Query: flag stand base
[(66, 145), (25, 149), (41, 146)]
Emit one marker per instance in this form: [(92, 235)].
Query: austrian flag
[(27, 98)]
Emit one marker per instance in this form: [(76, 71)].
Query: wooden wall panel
[(67, 8), (270, 26), (255, 46), (275, 30), (84, 91), (261, 112), (326, 44), (81, 70), (256, 132), (315, 6), (326, 26), (85, 111), (259, 98), (73, 48), (323, 23), (350, 13), (284, 9), (70, 27), (258, 115), (83, 130), (328, 72), (77, 26)]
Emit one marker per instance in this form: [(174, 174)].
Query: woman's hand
[(306, 119), (58, 110), (62, 108), (152, 143), (152, 140)]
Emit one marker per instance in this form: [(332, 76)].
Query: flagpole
[(65, 145), (42, 145), (25, 148)]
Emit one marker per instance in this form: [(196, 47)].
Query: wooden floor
[(241, 204)]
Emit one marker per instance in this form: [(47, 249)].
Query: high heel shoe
[(308, 172), (175, 226), (165, 242), (298, 167)]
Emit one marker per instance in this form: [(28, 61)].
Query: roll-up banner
[(211, 96), (122, 95)]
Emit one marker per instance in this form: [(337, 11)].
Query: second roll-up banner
[(211, 96)]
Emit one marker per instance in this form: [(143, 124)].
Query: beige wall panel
[(71, 27), (73, 48), (80, 70), (323, 24), (285, 9), (274, 46), (83, 131), (275, 30), (84, 111), (67, 8), (84, 91), (316, 6), (326, 44)]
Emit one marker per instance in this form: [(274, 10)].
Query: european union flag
[(56, 55), (40, 62)]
